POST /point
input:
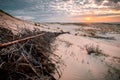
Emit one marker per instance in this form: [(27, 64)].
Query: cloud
[(43, 9), (25, 17), (85, 7)]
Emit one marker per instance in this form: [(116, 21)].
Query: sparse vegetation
[(95, 50), (29, 59), (101, 37), (93, 34)]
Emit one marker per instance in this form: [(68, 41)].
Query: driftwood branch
[(20, 40)]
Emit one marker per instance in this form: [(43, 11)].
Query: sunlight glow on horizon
[(101, 19), (88, 19), (96, 19)]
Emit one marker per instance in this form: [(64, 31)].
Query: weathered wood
[(20, 40)]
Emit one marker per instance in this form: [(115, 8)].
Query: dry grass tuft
[(91, 49), (29, 59)]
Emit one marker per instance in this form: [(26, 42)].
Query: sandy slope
[(14, 24), (79, 64)]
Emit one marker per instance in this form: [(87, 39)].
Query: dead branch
[(20, 40)]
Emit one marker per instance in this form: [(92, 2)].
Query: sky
[(64, 10)]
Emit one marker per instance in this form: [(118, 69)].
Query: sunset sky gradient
[(64, 10)]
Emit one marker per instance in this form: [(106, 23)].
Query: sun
[(87, 18)]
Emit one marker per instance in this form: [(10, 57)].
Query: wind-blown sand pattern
[(87, 57)]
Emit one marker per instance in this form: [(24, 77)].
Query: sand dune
[(89, 53)]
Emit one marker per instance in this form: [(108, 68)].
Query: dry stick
[(27, 58), (59, 74), (20, 40), (30, 64), (2, 64)]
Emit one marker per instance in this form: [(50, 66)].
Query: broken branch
[(20, 40)]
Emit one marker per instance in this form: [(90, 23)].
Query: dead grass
[(102, 37), (95, 50), (29, 59)]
